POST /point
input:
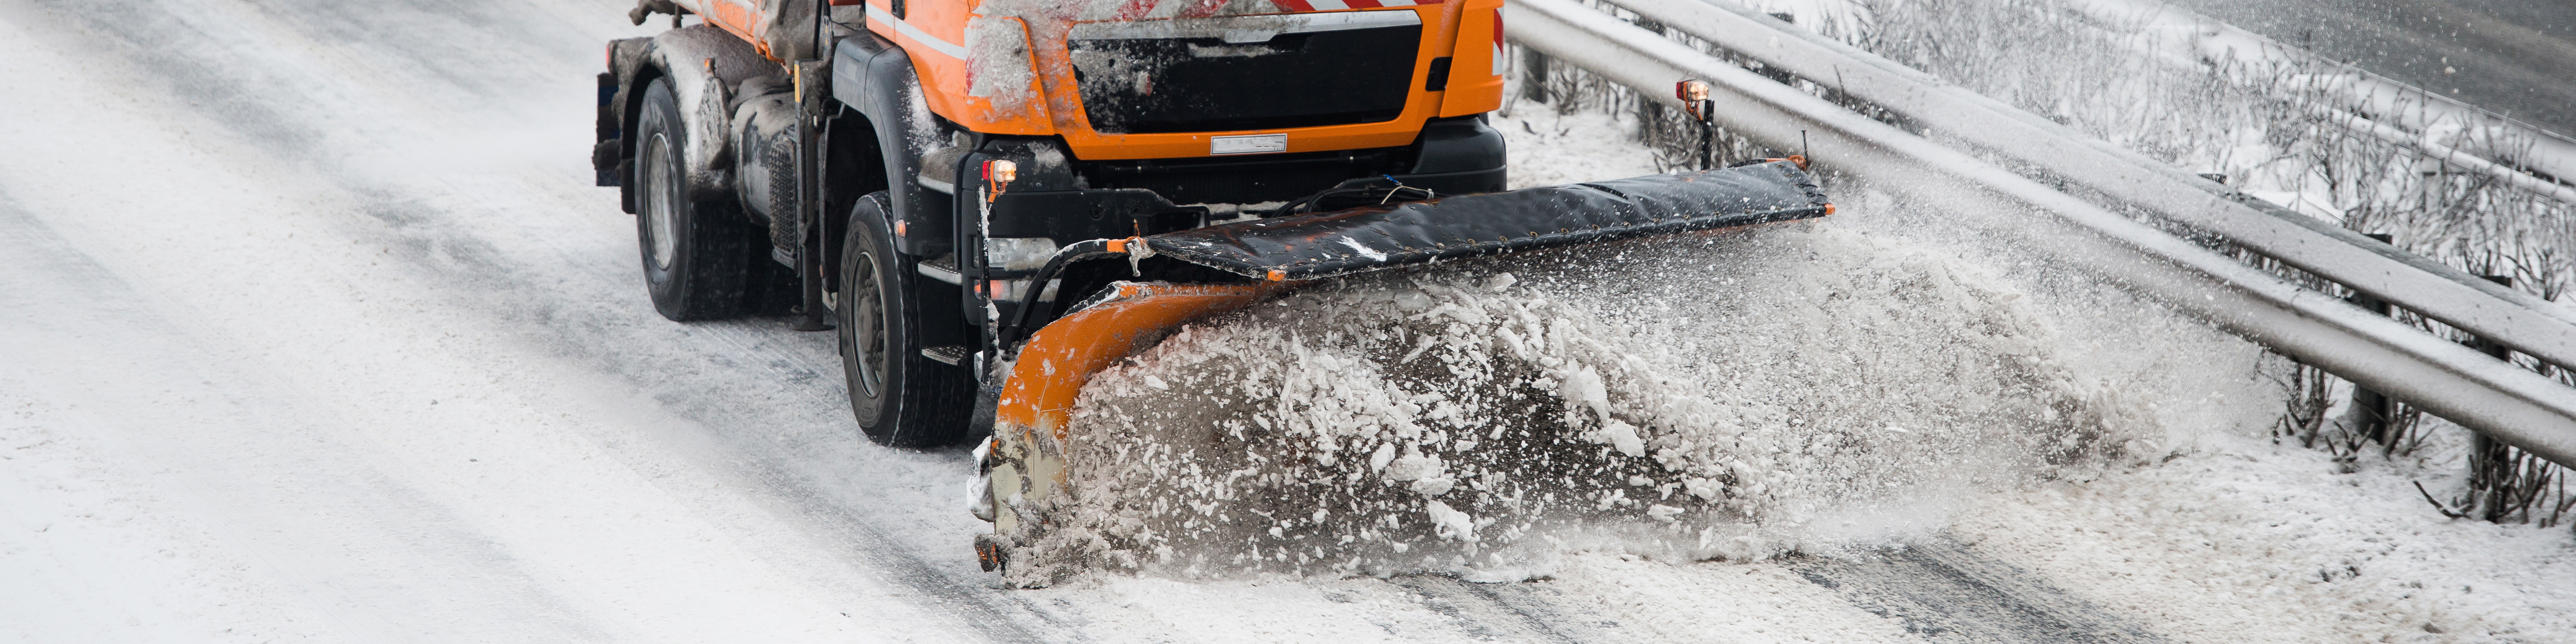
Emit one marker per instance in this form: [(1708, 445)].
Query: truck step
[(939, 167), (944, 269), (952, 355)]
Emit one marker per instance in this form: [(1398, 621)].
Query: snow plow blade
[(1023, 461), (1376, 238)]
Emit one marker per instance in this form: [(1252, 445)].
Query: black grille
[(1143, 86), (1245, 180)]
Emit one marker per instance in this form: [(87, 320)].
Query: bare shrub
[(2279, 131), (2303, 415)]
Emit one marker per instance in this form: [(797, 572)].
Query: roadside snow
[(2247, 541), (1549, 149)]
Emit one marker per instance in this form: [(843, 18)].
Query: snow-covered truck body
[(1119, 118), (975, 193)]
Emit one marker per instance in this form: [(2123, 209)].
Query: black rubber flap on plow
[(1380, 237)]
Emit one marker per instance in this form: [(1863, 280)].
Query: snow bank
[(2250, 540), (1549, 149), (1748, 394)]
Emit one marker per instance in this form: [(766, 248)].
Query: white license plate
[(1255, 144)]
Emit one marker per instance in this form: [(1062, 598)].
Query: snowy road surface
[(313, 330)]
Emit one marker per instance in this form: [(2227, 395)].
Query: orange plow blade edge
[(1025, 458)]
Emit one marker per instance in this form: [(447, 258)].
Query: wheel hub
[(867, 325), (661, 197)]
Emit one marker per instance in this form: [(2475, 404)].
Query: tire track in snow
[(249, 99), (1510, 612), (60, 296), (1946, 593)]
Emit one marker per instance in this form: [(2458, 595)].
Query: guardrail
[(2516, 319), (2446, 379)]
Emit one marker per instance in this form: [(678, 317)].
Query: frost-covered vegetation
[(2278, 131)]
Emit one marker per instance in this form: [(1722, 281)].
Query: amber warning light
[(1694, 96), (1691, 90), (998, 175)]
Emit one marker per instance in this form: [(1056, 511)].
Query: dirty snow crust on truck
[(990, 200)]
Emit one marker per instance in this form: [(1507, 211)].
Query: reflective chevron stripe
[(1337, 5)]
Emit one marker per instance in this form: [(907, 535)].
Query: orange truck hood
[(1003, 66)]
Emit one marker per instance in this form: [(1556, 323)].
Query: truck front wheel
[(697, 256), (900, 397)]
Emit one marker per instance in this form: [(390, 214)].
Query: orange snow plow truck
[(990, 200)]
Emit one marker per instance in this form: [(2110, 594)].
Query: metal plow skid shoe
[(1024, 463)]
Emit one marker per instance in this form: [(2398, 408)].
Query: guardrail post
[(1534, 75), (2493, 464), (1651, 126), (2490, 347), (2376, 408)]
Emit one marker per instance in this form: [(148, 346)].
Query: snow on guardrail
[(2513, 404), (2520, 320)]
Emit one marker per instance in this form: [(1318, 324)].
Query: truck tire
[(697, 256), (900, 397)]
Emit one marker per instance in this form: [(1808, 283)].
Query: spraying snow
[(1734, 402)]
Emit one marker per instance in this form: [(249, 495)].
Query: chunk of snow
[(1661, 512), (979, 496), (1449, 523), (1363, 249), (1584, 387), (1414, 466), (1704, 488), (1378, 460), (1623, 436)]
